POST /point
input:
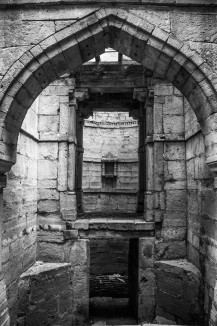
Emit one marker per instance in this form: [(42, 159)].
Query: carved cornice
[(108, 124)]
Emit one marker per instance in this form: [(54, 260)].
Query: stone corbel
[(81, 94), (140, 94)]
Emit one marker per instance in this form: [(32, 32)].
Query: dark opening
[(113, 281)]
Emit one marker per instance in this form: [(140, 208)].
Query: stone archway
[(126, 33), (137, 38)]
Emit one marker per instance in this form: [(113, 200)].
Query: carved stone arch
[(72, 46)]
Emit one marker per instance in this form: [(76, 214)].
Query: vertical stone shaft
[(141, 154), (79, 164), (149, 196), (72, 145)]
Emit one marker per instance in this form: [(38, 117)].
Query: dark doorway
[(112, 297)]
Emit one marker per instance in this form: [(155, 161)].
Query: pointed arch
[(76, 44)]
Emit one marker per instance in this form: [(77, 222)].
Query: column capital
[(140, 93), (81, 94)]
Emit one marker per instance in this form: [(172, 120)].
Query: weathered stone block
[(47, 169), (170, 249), (47, 151), (48, 206), (173, 126), (146, 252), (173, 105), (48, 105), (50, 252), (176, 200)]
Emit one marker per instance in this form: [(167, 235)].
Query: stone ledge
[(40, 267), (111, 224)]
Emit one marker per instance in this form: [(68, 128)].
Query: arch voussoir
[(71, 50), (58, 61), (98, 35), (47, 66)]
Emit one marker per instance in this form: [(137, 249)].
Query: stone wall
[(178, 297), (52, 169), (45, 295), (115, 134), (19, 233), (167, 198), (201, 238)]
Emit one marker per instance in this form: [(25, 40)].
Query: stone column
[(149, 192), (146, 280), (81, 94), (68, 198), (79, 257), (140, 94), (74, 156), (79, 163)]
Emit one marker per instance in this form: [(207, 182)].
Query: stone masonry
[(69, 70)]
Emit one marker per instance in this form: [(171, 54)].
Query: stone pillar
[(146, 280), (68, 198), (73, 194), (79, 163), (79, 257), (80, 94), (140, 94), (149, 193), (4, 314)]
